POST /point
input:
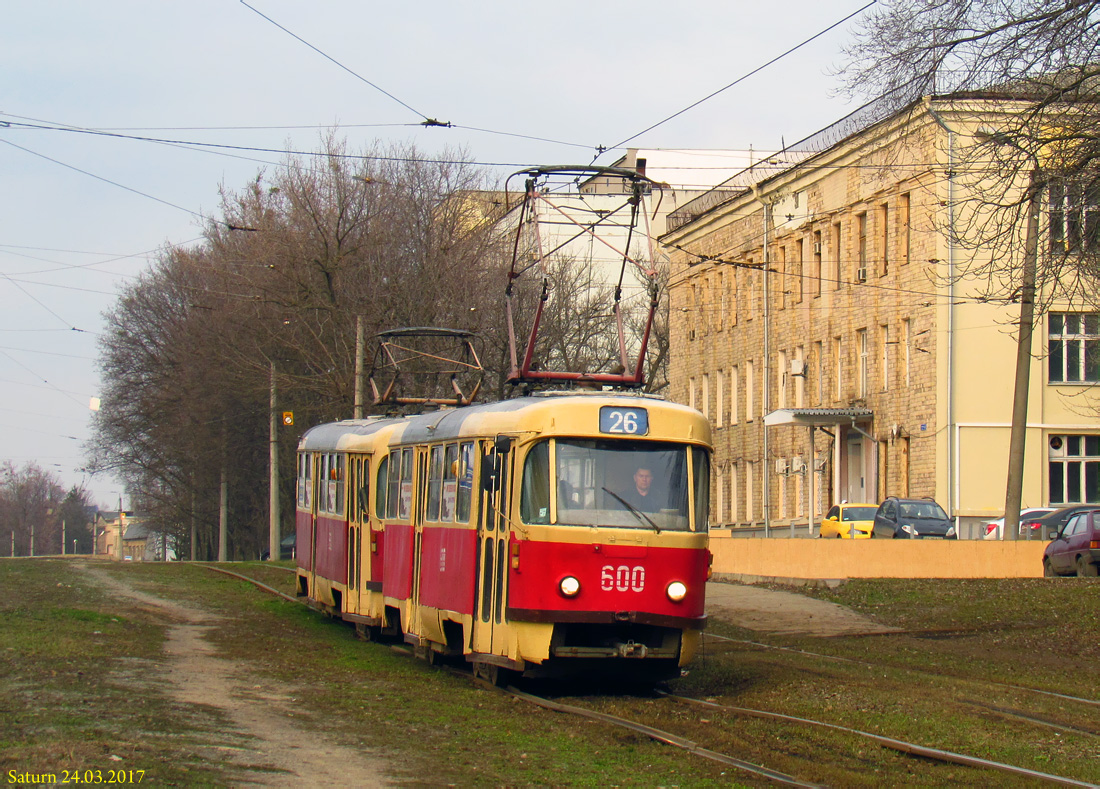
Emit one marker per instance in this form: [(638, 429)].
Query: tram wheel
[(493, 674)]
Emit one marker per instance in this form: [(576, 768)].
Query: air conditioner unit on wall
[(861, 274), (798, 367), (797, 465), (780, 465)]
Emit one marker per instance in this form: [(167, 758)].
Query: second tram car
[(556, 534)]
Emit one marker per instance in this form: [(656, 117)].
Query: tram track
[(891, 667), (760, 771)]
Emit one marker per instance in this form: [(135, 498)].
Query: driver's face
[(642, 478)]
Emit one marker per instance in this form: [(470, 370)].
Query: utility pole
[(223, 513), (63, 537), (359, 343), (274, 513), (1015, 485)]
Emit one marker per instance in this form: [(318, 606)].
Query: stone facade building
[(826, 319)]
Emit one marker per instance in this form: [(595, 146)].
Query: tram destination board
[(619, 420)]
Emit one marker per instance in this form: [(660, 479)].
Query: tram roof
[(470, 420), (333, 435)]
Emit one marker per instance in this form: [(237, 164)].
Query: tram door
[(497, 459), (357, 522), (418, 510)]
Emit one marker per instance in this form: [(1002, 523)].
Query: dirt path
[(269, 747), (771, 611)]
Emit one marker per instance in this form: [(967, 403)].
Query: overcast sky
[(81, 215)]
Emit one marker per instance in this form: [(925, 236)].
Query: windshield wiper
[(634, 510)]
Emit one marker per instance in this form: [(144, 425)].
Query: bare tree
[(385, 238), (30, 511)]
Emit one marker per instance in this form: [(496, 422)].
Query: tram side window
[(381, 488), (323, 483), (701, 467), (404, 503), (394, 485), (305, 478), (338, 484), (362, 494), (435, 482), (465, 481), (534, 503), (450, 483)]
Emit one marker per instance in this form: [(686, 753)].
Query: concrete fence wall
[(834, 559)]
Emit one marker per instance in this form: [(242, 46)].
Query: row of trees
[(272, 296), (35, 511)]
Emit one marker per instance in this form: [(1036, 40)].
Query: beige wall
[(749, 559), (941, 421)]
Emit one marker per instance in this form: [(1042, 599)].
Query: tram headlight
[(676, 591), (570, 586)]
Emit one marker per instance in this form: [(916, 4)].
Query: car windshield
[(632, 484), (858, 514), (921, 509)]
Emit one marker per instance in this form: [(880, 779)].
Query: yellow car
[(849, 521)]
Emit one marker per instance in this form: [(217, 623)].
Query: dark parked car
[(1075, 549), (286, 548), (914, 519), (1050, 524)]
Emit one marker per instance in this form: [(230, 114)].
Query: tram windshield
[(629, 484)]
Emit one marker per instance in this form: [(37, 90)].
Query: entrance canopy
[(812, 417)]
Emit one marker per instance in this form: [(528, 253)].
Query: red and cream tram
[(553, 534)]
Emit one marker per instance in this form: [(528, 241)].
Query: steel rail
[(839, 658), (252, 581), (661, 736), (889, 742)]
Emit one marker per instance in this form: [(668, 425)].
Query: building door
[(856, 482)]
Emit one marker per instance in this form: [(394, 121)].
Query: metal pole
[(273, 481), (359, 343), (1015, 485)]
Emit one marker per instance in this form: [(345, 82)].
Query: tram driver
[(641, 495)]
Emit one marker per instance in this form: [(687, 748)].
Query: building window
[(1074, 469), (720, 398), (750, 384), (722, 295), (907, 338), (1074, 216), (706, 395), (735, 383), (799, 373), (904, 233), (799, 265), (816, 272), (735, 502), (838, 368), (819, 373), (1073, 347), (837, 256), (884, 237), (691, 393), (885, 333), (783, 371), (861, 340), (750, 471), (861, 247)]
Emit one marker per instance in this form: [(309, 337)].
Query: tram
[(560, 533)]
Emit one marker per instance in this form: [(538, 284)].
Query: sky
[(82, 216)]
